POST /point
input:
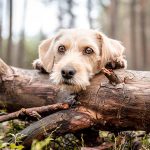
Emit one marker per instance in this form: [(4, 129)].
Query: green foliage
[(3, 144), (127, 140), (146, 141), (39, 145), (3, 111), (10, 129), (67, 142), (13, 145), (16, 126), (17, 138)]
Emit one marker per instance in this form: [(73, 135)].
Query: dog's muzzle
[(68, 72)]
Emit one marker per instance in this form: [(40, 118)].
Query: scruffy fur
[(106, 51)]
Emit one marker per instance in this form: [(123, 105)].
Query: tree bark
[(62, 122), (125, 106)]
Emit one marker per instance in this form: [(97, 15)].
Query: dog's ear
[(46, 54), (110, 49)]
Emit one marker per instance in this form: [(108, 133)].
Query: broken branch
[(112, 77), (34, 112)]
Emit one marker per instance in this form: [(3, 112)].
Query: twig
[(34, 112), (112, 77)]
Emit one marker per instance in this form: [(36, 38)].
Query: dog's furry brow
[(58, 36)]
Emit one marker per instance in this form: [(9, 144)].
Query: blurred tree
[(114, 7), (89, 15), (104, 9), (133, 32), (102, 4), (21, 47), (60, 14), (1, 9), (41, 35), (9, 46), (70, 4), (143, 31)]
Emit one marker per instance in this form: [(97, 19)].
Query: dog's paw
[(37, 64), (121, 63), (117, 64)]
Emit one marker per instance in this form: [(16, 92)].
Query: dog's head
[(73, 56)]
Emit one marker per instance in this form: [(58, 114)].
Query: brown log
[(20, 88), (125, 106), (59, 123)]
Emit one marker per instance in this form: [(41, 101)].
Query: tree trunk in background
[(114, 17), (42, 35), (60, 14), (143, 32), (133, 32), (71, 14), (9, 46), (89, 10), (21, 49), (1, 10)]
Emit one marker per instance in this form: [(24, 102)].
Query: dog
[(74, 56)]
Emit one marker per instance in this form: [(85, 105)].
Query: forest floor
[(127, 140)]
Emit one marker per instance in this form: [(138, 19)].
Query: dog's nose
[(68, 72)]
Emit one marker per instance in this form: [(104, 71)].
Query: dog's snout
[(68, 72)]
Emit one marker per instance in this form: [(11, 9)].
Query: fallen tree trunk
[(125, 106), (68, 121)]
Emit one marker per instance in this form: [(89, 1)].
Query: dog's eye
[(61, 49), (88, 50)]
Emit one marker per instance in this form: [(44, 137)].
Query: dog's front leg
[(37, 64)]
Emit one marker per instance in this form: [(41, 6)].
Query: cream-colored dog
[(74, 56)]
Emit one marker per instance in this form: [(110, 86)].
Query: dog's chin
[(71, 86), (68, 83)]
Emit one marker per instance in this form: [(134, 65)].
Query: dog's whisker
[(80, 83)]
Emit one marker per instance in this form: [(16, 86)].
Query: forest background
[(24, 23)]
